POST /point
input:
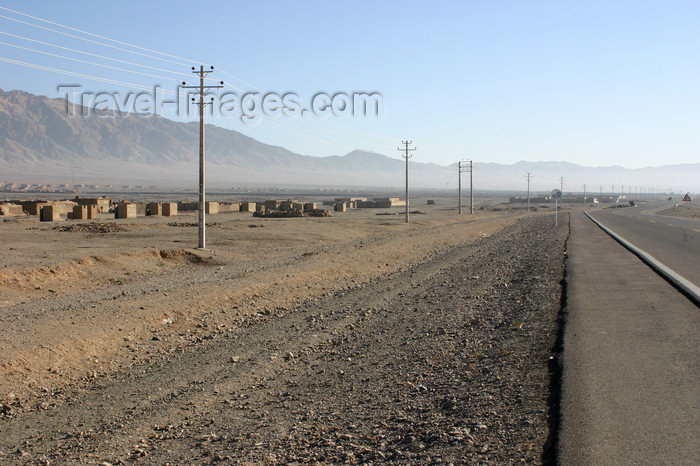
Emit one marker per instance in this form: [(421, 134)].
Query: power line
[(126, 62), (93, 35), (80, 75), (254, 87), (202, 73), (277, 124), (300, 131), (90, 40), (85, 61), (292, 129), (340, 131)]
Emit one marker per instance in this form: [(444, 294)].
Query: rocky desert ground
[(355, 338)]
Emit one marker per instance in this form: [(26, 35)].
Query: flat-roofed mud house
[(273, 204), (102, 204), (83, 212), (229, 207), (211, 207), (58, 210), (247, 206), (33, 207), (154, 208), (169, 209), (125, 210), (8, 209), (384, 202)]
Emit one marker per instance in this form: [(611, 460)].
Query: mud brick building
[(125, 210), (169, 209)]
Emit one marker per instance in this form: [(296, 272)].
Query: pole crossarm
[(465, 166), (406, 155), (202, 73)]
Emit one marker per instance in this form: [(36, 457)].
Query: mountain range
[(41, 143)]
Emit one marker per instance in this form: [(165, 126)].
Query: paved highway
[(673, 241), (631, 363)]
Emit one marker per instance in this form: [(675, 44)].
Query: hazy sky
[(590, 82)]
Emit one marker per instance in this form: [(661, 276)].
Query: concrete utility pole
[(463, 169), (584, 193), (407, 156), (459, 185), (529, 177), (471, 186), (202, 73)]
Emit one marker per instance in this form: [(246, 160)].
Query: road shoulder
[(631, 357)]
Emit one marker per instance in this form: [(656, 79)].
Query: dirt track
[(445, 361), (76, 305)]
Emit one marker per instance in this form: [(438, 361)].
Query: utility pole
[(202, 73), (463, 169), (459, 185), (407, 156), (529, 177), (471, 186)]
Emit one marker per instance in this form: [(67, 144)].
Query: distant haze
[(40, 143)]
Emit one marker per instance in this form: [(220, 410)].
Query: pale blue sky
[(590, 82)]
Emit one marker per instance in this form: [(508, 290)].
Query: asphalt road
[(631, 362), (673, 241)]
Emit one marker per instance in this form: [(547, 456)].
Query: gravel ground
[(445, 362), (685, 210)]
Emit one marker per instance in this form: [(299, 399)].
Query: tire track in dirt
[(445, 361)]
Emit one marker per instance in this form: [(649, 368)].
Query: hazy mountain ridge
[(40, 142)]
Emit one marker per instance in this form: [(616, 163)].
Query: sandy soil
[(91, 301), (360, 339), (685, 210)]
